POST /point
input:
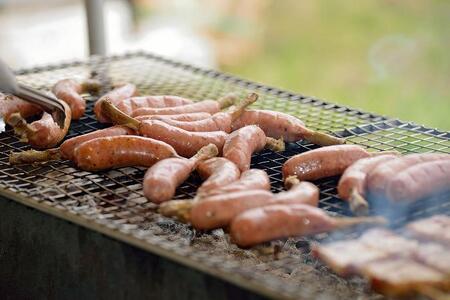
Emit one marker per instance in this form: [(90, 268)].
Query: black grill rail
[(112, 201)]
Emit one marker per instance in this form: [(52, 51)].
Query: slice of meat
[(436, 228)]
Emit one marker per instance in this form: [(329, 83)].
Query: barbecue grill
[(153, 255)]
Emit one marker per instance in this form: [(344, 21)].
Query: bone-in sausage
[(189, 117), (323, 162), (242, 143), (217, 172), (378, 177), (115, 96), (121, 151), (209, 106), (419, 181), (278, 221), (186, 143), (162, 179), (69, 90), (67, 148), (41, 134), (280, 125), (129, 105), (353, 183), (10, 104)]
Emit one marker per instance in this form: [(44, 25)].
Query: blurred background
[(390, 57)]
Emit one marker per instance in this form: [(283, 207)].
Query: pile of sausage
[(173, 137), (401, 265)]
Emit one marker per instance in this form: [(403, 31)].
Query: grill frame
[(371, 134)]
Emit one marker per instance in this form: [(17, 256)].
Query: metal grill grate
[(114, 200)]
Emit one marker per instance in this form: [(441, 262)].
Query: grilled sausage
[(242, 143), (189, 117), (121, 151), (43, 133), (129, 105), (220, 121), (280, 125), (252, 179), (162, 179), (419, 181), (69, 91), (271, 222), (209, 106), (10, 104), (115, 96), (378, 177), (67, 148), (217, 172), (298, 192), (353, 183), (323, 162)]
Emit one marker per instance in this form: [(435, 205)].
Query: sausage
[(378, 177), (189, 117), (242, 143), (10, 104), (323, 162), (69, 91), (209, 106), (129, 105), (220, 121), (253, 179), (162, 179), (280, 125), (218, 211), (67, 148), (353, 183), (186, 143), (115, 96), (419, 181), (217, 172), (271, 222), (43, 133), (121, 151)]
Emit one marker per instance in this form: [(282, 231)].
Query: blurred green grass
[(388, 57)]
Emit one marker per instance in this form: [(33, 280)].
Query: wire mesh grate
[(114, 198)]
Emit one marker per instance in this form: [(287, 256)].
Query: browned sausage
[(378, 177), (189, 117), (186, 143), (67, 148), (419, 181), (242, 143), (121, 151), (115, 96), (217, 172), (43, 133), (353, 183), (323, 162), (10, 104), (218, 211), (252, 179), (69, 91), (209, 106), (129, 105), (162, 179), (271, 222), (280, 125), (220, 121)]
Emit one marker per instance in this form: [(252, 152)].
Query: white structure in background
[(45, 33)]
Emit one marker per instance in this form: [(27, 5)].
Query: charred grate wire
[(114, 198)]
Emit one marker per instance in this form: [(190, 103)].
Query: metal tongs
[(48, 103)]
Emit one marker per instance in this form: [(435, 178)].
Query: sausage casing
[(129, 105), (217, 172), (115, 96), (69, 90)]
